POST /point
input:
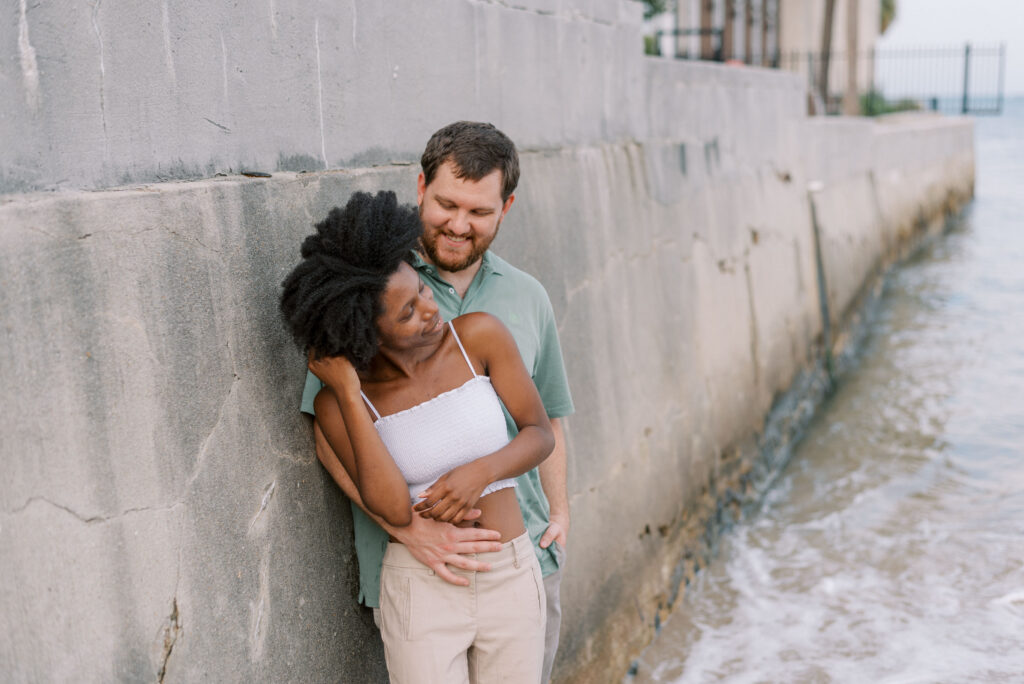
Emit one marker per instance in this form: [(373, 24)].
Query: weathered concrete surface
[(162, 497), (163, 514), (111, 92)]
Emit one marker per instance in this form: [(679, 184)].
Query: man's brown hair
[(475, 149)]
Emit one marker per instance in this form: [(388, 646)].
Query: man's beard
[(453, 265)]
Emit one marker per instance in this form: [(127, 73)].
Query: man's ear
[(507, 205), (421, 188)]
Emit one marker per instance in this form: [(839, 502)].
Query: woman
[(410, 406)]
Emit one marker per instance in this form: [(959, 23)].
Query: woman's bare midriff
[(499, 511)]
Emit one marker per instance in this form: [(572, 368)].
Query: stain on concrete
[(260, 609), (169, 636), (29, 66), (298, 163)]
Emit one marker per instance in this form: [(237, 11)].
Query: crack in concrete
[(88, 519), (173, 629), (201, 458), (224, 129), (192, 238), (170, 633), (268, 494), (47, 234)]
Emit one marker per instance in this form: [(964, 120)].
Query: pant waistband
[(513, 552)]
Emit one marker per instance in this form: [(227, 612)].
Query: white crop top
[(452, 429)]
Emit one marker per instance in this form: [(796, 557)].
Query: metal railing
[(966, 79), (955, 80)]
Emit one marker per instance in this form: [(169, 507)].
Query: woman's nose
[(429, 305)]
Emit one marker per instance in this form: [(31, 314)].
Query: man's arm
[(553, 480), (435, 544)]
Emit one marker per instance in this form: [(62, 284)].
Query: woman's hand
[(454, 494), (337, 372)]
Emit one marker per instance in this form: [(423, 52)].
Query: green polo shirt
[(522, 304)]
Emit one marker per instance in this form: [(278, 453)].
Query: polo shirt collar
[(488, 265)]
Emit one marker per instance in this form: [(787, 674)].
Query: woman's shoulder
[(480, 328), (470, 321)]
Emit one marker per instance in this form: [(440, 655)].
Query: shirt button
[(451, 290)]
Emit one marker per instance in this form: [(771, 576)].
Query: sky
[(955, 22)]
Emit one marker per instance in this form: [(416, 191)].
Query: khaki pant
[(490, 631)]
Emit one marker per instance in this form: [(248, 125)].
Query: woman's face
[(410, 318)]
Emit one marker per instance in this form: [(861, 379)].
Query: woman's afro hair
[(331, 300)]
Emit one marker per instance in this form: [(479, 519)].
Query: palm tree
[(826, 51)]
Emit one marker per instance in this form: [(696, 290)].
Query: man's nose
[(460, 223)]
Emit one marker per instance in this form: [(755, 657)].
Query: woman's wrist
[(486, 470), (348, 397)]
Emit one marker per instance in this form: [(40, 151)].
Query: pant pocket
[(538, 583), (395, 604)]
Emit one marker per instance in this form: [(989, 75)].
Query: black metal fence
[(954, 80), (965, 79)]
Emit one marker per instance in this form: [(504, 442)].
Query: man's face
[(460, 217)]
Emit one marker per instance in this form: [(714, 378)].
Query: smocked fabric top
[(452, 429)]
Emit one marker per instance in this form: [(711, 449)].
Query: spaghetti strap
[(369, 403), (464, 354)]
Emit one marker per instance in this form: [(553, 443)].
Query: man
[(469, 174)]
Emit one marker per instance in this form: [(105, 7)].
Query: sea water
[(891, 549)]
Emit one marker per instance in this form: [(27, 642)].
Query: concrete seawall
[(164, 516)]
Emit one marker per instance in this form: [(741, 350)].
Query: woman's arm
[(489, 343), (435, 544), (349, 430)]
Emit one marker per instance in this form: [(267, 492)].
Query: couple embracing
[(437, 386)]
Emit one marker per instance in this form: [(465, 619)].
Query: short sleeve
[(549, 368), (312, 388)]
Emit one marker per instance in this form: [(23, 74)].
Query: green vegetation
[(888, 11), (654, 7), (873, 103), (651, 45)]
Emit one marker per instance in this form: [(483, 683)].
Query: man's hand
[(558, 530), (553, 481), (438, 545)]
